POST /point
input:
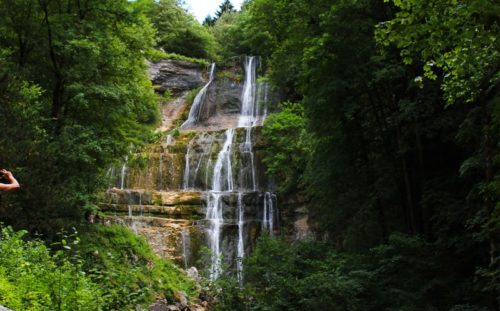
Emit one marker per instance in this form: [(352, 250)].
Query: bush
[(406, 273), (127, 270), (32, 278), (287, 150)]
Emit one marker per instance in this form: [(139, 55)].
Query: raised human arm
[(12, 184)]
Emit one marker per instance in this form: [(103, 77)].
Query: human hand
[(7, 174), (12, 183)]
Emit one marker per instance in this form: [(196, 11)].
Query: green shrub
[(32, 278), (287, 146), (127, 270)]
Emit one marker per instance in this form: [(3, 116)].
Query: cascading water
[(247, 115), (241, 247), (222, 178), (185, 247), (122, 174), (222, 181), (195, 158), (220, 165), (194, 112), (141, 208), (268, 213), (187, 167), (160, 172)]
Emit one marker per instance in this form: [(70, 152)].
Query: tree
[(225, 7), (387, 152), (287, 154), (209, 21), (82, 110), (457, 43), (179, 32)]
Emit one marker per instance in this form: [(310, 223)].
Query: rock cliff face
[(203, 185), (176, 76)]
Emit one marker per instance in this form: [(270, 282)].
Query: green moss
[(157, 201), (167, 96), (230, 74), (139, 160), (174, 56), (175, 132)]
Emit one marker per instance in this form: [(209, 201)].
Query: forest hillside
[(387, 131)]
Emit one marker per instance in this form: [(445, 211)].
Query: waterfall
[(160, 172), (220, 168), (215, 218), (140, 202), (122, 175), (268, 213), (222, 181), (247, 115), (185, 178), (194, 160), (194, 112), (185, 247), (248, 151), (241, 247), (169, 140)]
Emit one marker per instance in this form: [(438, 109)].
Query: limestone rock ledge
[(139, 201)]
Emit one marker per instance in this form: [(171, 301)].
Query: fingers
[(6, 172)]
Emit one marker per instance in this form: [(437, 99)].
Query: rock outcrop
[(176, 76)]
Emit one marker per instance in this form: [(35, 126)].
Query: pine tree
[(225, 7), (209, 21)]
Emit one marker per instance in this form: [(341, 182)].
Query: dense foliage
[(179, 32), (99, 268), (127, 270), (287, 147), (74, 97), (31, 278), (398, 156), (406, 273), (389, 130)]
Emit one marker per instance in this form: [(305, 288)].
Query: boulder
[(159, 305), (193, 273), (181, 297)]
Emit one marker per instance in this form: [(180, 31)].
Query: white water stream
[(194, 112), (222, 179)]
